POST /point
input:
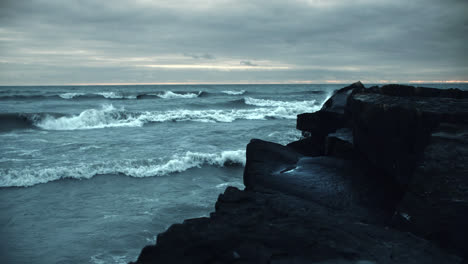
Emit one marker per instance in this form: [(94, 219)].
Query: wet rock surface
[(381, 177)]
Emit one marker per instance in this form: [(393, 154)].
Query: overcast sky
[(224, 41)]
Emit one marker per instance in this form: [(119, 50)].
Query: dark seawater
[(90, 174)]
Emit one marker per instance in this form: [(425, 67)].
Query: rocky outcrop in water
[(381, 176)]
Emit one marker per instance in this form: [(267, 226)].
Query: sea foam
[(172, 95), (234, 92), (274, 103), (132, 168), (107, 95), (109, 116), (70, 95)]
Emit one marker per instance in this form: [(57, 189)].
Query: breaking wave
[(70, 95), (109, 116), (107, 95), (274, 103), (172, 95), (234, 92), (132, 168)]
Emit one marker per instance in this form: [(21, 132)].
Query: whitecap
[(70, 95), (113, 95), (172, 95), (109, 116), (234, 92), (274, 103), (134, 168)]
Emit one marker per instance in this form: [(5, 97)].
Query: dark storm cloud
[(54, 41)]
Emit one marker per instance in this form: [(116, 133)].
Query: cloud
[(248, 63), (200, 56), (50, 41)]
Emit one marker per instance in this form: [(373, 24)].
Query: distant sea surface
[(90, 174)]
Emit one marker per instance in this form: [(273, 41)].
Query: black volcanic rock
[(406, 91), (397, 90), (394, 155), (338, 101), (265, 157), (309, 146), (320, 123), (333, 115), (340, 144), (271, 227), (436, 203), (392, 131)]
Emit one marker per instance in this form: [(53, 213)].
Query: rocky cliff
[(380, 176)]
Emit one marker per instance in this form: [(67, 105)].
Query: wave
[(274, 103), (172, 95), (107, 95), (28, 97), (14, 121), (133, 168), (109, 116), (71, 96), (234, 92)]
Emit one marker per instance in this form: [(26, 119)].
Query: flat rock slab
[(445, 109), (271, 227), (335, 183), (322, 179)]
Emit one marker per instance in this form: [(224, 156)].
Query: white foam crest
[(328, 96), (132, 168), (172, 95), (107, 116), (273, 103), (70, 95), (108, 95), (113, 95), (234, 92), (283, 137)]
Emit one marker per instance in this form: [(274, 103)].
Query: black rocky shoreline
[(380, 176)]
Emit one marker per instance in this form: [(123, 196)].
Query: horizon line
[(250, 83)]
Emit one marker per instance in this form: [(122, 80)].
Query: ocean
[(91, 174)]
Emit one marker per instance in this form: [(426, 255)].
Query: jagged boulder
[(338, 101), (265, 157), (333, 115)]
